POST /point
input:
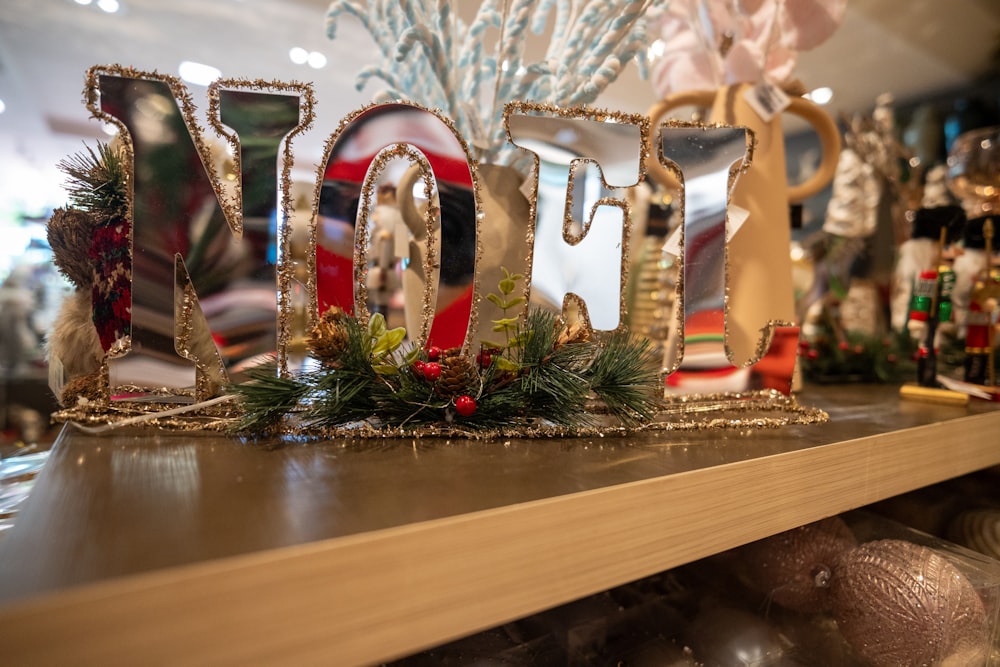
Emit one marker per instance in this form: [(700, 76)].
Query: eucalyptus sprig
[(509, 326)]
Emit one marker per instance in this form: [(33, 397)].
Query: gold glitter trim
[(746, 411), (208, 381), (603, 116), (285, 266), (368, 199)]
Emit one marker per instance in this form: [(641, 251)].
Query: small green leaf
[(412, 355), (388, 342), (385, 369), (495, 300), (490, 345), (505, 364), (506, 286), (396, 337), (376, 325), (510, 303), (506, 322)]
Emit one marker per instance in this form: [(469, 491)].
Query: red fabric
[(334, 281), (446, 170), (449, 326)]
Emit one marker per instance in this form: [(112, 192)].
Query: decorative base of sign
[(170, 300), (763, 409)]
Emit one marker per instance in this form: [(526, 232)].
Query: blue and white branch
[(431, 57)]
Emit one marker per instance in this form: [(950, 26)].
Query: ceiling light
[(317, 60), (197, 73), (821, 95), (656, 49), (109, 6), (298, 55), (3, 106), (83, 2)]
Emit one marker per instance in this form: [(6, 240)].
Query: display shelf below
[(198, 549)]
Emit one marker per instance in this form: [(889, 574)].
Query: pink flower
[(718, 42)]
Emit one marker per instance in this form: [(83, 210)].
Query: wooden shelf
[(208, 550)]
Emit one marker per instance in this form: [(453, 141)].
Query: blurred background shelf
[(198, 549)]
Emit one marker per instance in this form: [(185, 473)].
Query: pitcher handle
[(829, 140), (655, 169), (822, 123)]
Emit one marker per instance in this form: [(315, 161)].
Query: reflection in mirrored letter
[(708, 161), (583, 158), (203, 275), (395, 232)]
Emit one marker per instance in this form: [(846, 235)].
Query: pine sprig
[(268, 398), (97, 181), (625, 376), (545, 373), (554, 382)]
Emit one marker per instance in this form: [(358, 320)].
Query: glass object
[(974, 170)]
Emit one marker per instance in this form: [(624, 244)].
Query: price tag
[(766, 99)]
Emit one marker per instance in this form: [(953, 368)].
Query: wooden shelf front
[(206, 550)]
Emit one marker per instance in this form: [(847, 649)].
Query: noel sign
[(207, 273)]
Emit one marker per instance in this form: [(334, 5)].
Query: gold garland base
[(753, 410)]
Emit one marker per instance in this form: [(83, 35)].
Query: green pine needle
[(546, 381), (267, 398), (98, 181), (625, 375)]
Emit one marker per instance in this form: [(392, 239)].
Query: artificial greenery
[(857, 357), (543, 373), (97, 181)]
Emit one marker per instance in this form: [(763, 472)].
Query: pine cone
[(328, 339), (458, 376), (69, 233)]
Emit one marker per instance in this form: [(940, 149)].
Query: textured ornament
[(69, 232), (899, 603), (465, 405), (794, 568), (328, 339)]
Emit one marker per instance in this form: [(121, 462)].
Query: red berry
[(434, 353), (813, 354), (465, 405), (418, 366), (432, 371), (484, 359), (843, 345)]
